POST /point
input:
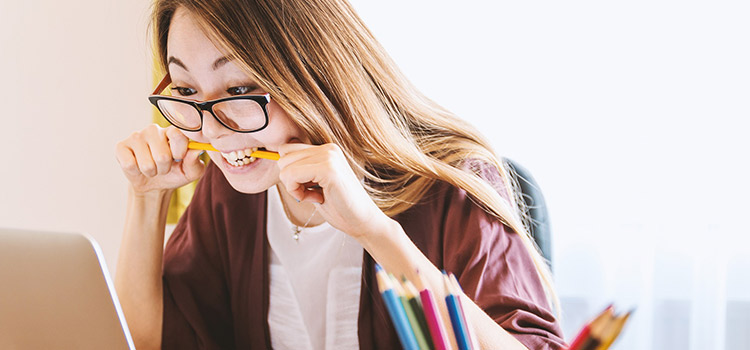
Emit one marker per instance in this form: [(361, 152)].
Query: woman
[(281, 253)]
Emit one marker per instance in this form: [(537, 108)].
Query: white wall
[(74, 76), (632, 115)]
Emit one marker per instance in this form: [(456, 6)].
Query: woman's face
[(201, 72)]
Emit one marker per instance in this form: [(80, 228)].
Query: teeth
[(240, 157)]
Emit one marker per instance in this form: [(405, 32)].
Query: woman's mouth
[(242, 157)]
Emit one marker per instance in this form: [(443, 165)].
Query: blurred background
[(632, 116)]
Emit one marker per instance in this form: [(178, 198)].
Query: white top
[(314, 284)]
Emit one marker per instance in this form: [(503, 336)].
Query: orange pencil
[(257, 154)]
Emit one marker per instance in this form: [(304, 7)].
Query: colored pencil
[(469, 331), (433, 316), (457, 319), (585, 332), (413, 297), (614, 330), (411, 314), (257, 154), (598, 327), (582, 336), (396, 311)]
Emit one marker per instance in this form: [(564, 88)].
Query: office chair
[(534, 207)]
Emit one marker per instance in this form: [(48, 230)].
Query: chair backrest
[(534, 207)]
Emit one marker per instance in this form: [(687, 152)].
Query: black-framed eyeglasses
[(246, 113)]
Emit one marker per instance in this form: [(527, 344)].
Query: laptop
[(56, 293)]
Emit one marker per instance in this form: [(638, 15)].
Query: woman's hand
[(342, 199), (157, 159)]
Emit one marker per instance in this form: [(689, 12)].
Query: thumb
[(192, 166)]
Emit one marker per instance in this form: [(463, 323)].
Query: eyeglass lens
[(240, 115)]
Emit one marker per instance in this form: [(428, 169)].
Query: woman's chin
[(242, 185), (251, 178), (248, 188)]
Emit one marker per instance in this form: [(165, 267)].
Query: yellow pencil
[(257, 154), (614, 330)]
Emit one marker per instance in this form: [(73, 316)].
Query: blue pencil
[(457, 319), (396, 311), (469, 331)]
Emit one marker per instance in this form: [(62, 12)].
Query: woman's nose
[(212, 129)]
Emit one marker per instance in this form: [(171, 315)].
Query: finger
[(292, 156), (301, 193), (298, 178), (126, 159), (313, 195), (143, 158), (160, 153), (295, 152), (302, 189), (308, 167), (293, 147), (294, 191), (192, 166), (178, 143)]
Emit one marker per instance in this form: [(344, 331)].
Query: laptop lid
[(56, 293)]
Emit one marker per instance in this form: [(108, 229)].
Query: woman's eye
[(183, 91), (239, 90)]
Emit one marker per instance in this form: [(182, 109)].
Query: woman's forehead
[(188, 43)]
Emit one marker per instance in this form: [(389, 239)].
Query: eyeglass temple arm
[(162, 85)]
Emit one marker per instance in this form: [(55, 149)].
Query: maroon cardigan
[(216, 279)]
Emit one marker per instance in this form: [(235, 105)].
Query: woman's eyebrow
[(176, 61), (217, 64), (220, 62)]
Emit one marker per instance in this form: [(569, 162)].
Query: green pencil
[(413, 296), (411, 315)]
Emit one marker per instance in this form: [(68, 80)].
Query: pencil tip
[(447, 284)]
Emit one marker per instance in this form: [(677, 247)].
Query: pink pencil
[(432, 315)]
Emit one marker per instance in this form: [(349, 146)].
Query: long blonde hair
[(322, 65)]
